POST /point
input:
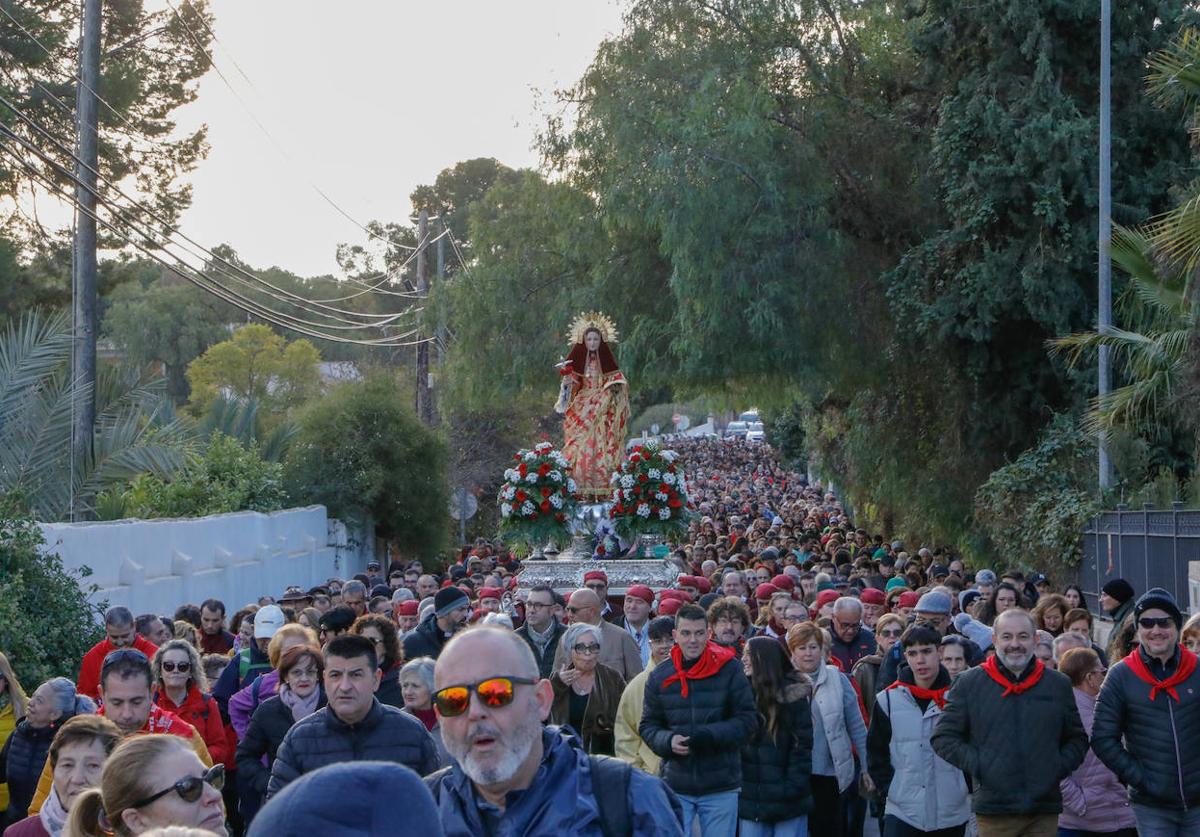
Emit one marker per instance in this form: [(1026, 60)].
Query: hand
[(568, 675), (679, 745), (867, 785)]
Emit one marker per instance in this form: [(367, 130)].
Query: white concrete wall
[(153, 566)]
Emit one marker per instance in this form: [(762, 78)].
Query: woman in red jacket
[(181, 687)]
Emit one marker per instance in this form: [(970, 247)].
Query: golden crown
[(589, 320)]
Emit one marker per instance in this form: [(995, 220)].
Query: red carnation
[(674, 502), (545, 492), (545, 506), (642, 478), (521, 496), (522, 470), (560, 517), (543, 469), (664, 488)]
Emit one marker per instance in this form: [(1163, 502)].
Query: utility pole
[(424, 411), (441, 326), (1104, 278), (83, 263)]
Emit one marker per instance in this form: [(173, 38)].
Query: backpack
[(610, 786), (245, 666)]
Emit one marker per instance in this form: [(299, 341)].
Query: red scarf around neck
[(1187, 664), (992, 667), (938, 696), (711, 659)]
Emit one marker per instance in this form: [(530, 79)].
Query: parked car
[(736, 430), (755, 432)]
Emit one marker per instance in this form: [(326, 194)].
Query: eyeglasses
[(571, 609), (182, 668), (190, 788), (892, 634), (1100, 671), (586, 648), (495, 692), (1148, 622), (538, 605)]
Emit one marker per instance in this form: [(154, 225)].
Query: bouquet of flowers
[(649, 494), (538, 498)]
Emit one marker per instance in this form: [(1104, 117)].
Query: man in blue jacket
[(512, 776)]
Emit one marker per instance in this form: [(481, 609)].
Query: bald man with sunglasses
[(514, 776)]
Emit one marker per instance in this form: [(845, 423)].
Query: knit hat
[(316, 803), (872, 596), (449, 599), (765, 591), (641, 591), (1119, 589), (935, 601), (1159, 598), (826, 586), (967, 598), (907, 599), (985, 577), (893, 583)]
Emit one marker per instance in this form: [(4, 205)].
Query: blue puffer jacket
[(1151, 746), (558, 802), (385, 734)]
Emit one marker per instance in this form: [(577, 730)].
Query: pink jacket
[(242, 704), (1093, 798)]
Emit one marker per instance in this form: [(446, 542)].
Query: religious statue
[(594, 402)]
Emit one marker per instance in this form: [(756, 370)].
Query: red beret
[(765, 591), (675, 595), (490, 593), (704, 584), (667, 607), (826, 597), (642, 592), (409, 608), (908, 599), (784, 582), (872, 596), (688, 581), (595, 575)]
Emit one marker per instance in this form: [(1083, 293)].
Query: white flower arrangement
[(627, 481), (654, 474), (668, 478), (555, 475), (527, 508), (664, 514), (571, 486), (643, 510), (662, 498)]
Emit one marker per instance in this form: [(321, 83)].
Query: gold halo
[(596, 320)]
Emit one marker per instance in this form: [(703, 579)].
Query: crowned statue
[(594, 402)]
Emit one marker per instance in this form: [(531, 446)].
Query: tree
[(362, 453), (256, 364), (47, 623)]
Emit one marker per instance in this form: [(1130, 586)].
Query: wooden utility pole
[(83, 263), (424, 403)]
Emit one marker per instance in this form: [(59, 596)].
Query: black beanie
[(1161, 599), (1119, 589), (449, 599)]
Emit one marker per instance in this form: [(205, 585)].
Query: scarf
[(426, 716), (301, 707), (711, 659), (938, 696), (1187, 665), (992, 667), (53, 815)]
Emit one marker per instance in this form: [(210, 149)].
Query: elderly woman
[(12, 709), (587, 692), (244, 702), (181, 687), (24, 755), (77, 754), (838, 728), (416, 684)]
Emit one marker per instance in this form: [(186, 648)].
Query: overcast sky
[(369, 98)]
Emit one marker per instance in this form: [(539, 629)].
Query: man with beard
[(451, 608), (1012, 725), (512, 776), (728, 624)]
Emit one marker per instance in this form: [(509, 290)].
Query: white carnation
[(527, 508), (512, 475), (627, 481), (555, 475), (654, 473), (662, 498), (505, 510), (664, 513), (509, 492), (556, 501), (617, 496), (668, 478), (613, 479), (669, 455), (530, 456), (643, 510), (571, 485), (531, 477)]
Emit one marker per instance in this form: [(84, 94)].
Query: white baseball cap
[(268, 620)]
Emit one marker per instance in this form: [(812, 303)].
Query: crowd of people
[(801, 676)]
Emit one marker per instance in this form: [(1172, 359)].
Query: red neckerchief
[(711, 659), (938, 696), (992, 667), (1187, 664)]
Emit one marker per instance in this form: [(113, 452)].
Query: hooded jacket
[(769, 765)]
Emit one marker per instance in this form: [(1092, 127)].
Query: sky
[(368, 99)]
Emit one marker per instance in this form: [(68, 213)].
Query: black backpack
[(610, 785)]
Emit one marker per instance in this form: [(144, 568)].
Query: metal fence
[(1148, 548)]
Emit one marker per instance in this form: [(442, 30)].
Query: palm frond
[(1174, 77)]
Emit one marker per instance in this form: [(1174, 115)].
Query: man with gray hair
[(851, 640), (119, 632), (510, 774)]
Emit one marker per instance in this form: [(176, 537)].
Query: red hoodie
[(89, 670), (202, 712)]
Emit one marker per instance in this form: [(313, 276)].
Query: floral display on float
[(649, 494), (537, 499)]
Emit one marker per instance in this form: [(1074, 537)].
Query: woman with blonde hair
[(181, 686), (243, 703), (151, 781), (866, 671), (12, 709), (187, 632)]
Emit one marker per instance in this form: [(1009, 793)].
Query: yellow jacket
[(7, 723), (630, 746)]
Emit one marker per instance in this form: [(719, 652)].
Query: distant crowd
[(801, 676)]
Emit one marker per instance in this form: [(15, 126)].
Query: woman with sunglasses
[(77, 755), (181, 687), (866, 671), (149, 782), (587, 692), (300, 695)]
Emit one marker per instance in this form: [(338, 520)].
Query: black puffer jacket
[(768, 768), (425, 640), (718, 715), (389, 692), (268, 727), (1160, 756), (385, 734), (1016, 748), (21, 764)]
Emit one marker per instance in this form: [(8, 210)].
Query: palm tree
[(239, 419), (136, 428)]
